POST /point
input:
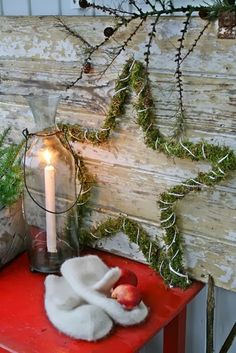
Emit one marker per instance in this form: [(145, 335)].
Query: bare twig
[(210, 315), (229, 340)]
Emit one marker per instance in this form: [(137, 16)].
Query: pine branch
[(11, 181), (110, 10), (163, 4), (3, 136), (178, 60), (167, 8), (152, 34), (218, 6), (94, 49), (195, 42), (132, 2), (123, 47), (65, 27), (153, 7)]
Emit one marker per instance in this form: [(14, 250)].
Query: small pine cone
[(203, 13), (87, 68), (83, 4), (108, 31)]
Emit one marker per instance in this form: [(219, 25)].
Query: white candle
[(49, 181)]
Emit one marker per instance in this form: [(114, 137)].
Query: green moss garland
[(222, 159), (132, 229), (116, 109)]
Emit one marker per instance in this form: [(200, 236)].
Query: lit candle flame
[(47, 156)]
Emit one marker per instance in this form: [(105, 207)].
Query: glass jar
[(50, 190)]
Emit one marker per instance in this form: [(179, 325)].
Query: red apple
[(126, 277), (127, 295)]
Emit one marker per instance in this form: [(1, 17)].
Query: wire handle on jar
[(27, 135)]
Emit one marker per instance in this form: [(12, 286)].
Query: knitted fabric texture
[(78, 305)]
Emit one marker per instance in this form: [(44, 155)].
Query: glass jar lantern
[(50, 190)]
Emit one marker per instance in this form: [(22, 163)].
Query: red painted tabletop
[(24, 327)]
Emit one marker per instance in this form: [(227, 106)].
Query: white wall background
[(225, 314), (65, 7)]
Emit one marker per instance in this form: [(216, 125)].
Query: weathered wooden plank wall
[(36, 56)]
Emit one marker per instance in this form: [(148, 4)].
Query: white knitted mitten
[(80, 273), (78, 304), (86, 321)]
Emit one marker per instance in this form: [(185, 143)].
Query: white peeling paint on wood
[(203, 257), (36, 56), (120, 241)]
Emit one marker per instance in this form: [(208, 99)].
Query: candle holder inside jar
[(50, 190)]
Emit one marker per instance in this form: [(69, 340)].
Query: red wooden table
[(24, 327)]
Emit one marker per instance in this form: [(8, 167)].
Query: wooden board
[(36, 56)]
